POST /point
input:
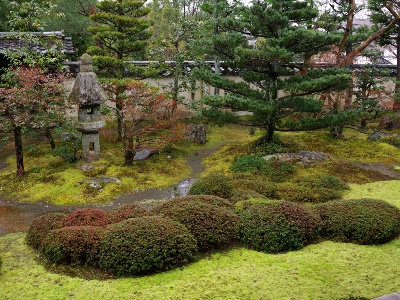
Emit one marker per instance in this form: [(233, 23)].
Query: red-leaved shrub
[(126, 211), (87, 217), (41, 226)]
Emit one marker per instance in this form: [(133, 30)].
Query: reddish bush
[(42, 226), (126, 211), (212, 226), (86, 217), (72, 245)]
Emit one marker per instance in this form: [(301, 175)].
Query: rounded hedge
[(327, 182), (72, 245), (261, 186), (278, 226), (249, 163), (210, 199), (363, 221), (145, 244), (243, 195), (87, 217), (124, 212), (212, 226), (213, 184), (297, 193), (41, 226)]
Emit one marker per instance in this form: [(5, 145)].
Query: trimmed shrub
[(145, 244), (328, 182), (243, 195), (364, 221), (279, 171), (72, 245), (278, 226), (213, 184), (261, 186), (262, 147), (240, 206), (210, 199), (295, 193), (212, 226), (249, 163), (42, 226), (86, 217), (126, 211)]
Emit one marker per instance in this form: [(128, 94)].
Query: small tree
[(147, 118), (30, 100)]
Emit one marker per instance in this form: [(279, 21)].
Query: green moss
[(384, 190), (324, 271)]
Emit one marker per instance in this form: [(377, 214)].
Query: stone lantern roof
[(87, 89)]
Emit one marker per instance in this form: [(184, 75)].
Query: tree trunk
[(49, 136), (396, 103), (18, 151), (129, 152), (269, 133)]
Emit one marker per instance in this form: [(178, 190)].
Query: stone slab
[(395, 296)]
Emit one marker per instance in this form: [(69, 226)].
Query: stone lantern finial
[(86, 63)]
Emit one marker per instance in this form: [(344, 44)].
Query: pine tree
[(278, 76), (121, 34)]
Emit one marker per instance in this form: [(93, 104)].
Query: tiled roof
[(10, 41)]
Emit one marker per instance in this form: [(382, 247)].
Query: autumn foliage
[(30, 100), (147, 118)]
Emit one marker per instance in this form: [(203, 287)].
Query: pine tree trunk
[(18, 151)]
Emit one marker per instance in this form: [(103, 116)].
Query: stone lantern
[(88, 94)]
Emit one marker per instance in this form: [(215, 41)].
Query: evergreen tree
[(121, 34), (278, 78), (381, 15)]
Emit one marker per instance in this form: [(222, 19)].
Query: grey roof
[(10, 41)]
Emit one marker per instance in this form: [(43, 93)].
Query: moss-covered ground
[(326, 270)]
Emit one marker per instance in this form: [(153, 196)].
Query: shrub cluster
[(279, 171), (327, 182), (72, 245), (261, 186), (125, 212), (145, 244), (249, 163), (278, 226), (262, 147), (42, 226), (298, 193), (212, 226), (86, 217), (364, 221), (210, 199), (243, 195), (213, 184)]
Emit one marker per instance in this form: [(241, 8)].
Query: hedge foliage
[(86, 217), (41, 226), (298, 193), (145, 244), (210, 199), (262, 186), (249, 163), (363, 221), (278, 226), (124, 212), (213, 184), (243, 195), (327, 182), (72, 245), (212, 226)]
